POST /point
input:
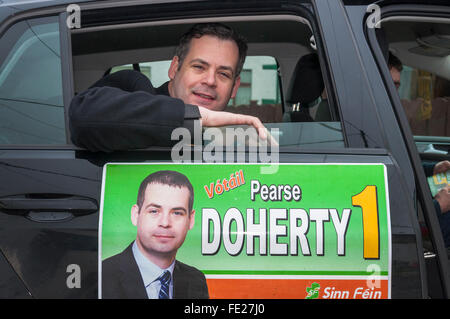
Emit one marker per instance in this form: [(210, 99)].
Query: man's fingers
[(441, 167), (443, 198), (260, 128), (255, 122), (216, 119)]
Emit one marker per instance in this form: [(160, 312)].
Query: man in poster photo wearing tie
[(147, 268)]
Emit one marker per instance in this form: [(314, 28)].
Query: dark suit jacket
[(121, 279), (123, 111)]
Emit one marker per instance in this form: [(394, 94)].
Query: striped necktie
[(165, 282)]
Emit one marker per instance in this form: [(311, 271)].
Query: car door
[(362, 136), (412, 112)]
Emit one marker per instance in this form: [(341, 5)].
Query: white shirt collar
[(149, 271)]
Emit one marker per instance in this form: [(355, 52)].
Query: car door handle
[(431, 149), (48, 207)]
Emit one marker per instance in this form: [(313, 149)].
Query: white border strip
[(301, 277), (100, 223), (388, 217), (258, 164)]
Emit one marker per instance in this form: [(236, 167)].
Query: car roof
[(19, 4), (23, 5), (27, 4)]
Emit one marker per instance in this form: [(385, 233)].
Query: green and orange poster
[(306, 231)]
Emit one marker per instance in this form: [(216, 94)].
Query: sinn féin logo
[(313, 291)]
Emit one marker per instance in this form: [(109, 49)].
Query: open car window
[(281, 81)]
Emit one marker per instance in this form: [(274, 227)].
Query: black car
[(52, 50)]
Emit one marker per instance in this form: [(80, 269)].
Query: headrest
[(307, 83)]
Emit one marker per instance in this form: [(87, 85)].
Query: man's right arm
[(122, 112), (109, 119)]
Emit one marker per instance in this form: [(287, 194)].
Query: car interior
[(423, 48), (97, 51)]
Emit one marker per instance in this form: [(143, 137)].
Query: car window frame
[(260, 15), (66, 69), (422, 189)]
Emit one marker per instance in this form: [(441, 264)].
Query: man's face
[(163, 220), (395, 74), (207, 76)]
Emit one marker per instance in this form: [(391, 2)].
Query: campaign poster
[(307, 231)]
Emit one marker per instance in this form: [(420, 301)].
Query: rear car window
[(426, 99), (418, 52)]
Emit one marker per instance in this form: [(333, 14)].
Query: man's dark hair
[(170, 178), (221, 31), (394, 62)]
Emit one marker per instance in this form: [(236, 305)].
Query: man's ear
[(236, 84), (191, 219), (173, 67), (134, 214)]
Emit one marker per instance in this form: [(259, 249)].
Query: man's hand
[(215, 118), (443, 198), (441, 167)]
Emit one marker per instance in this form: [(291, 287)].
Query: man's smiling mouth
[(204, 96)]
